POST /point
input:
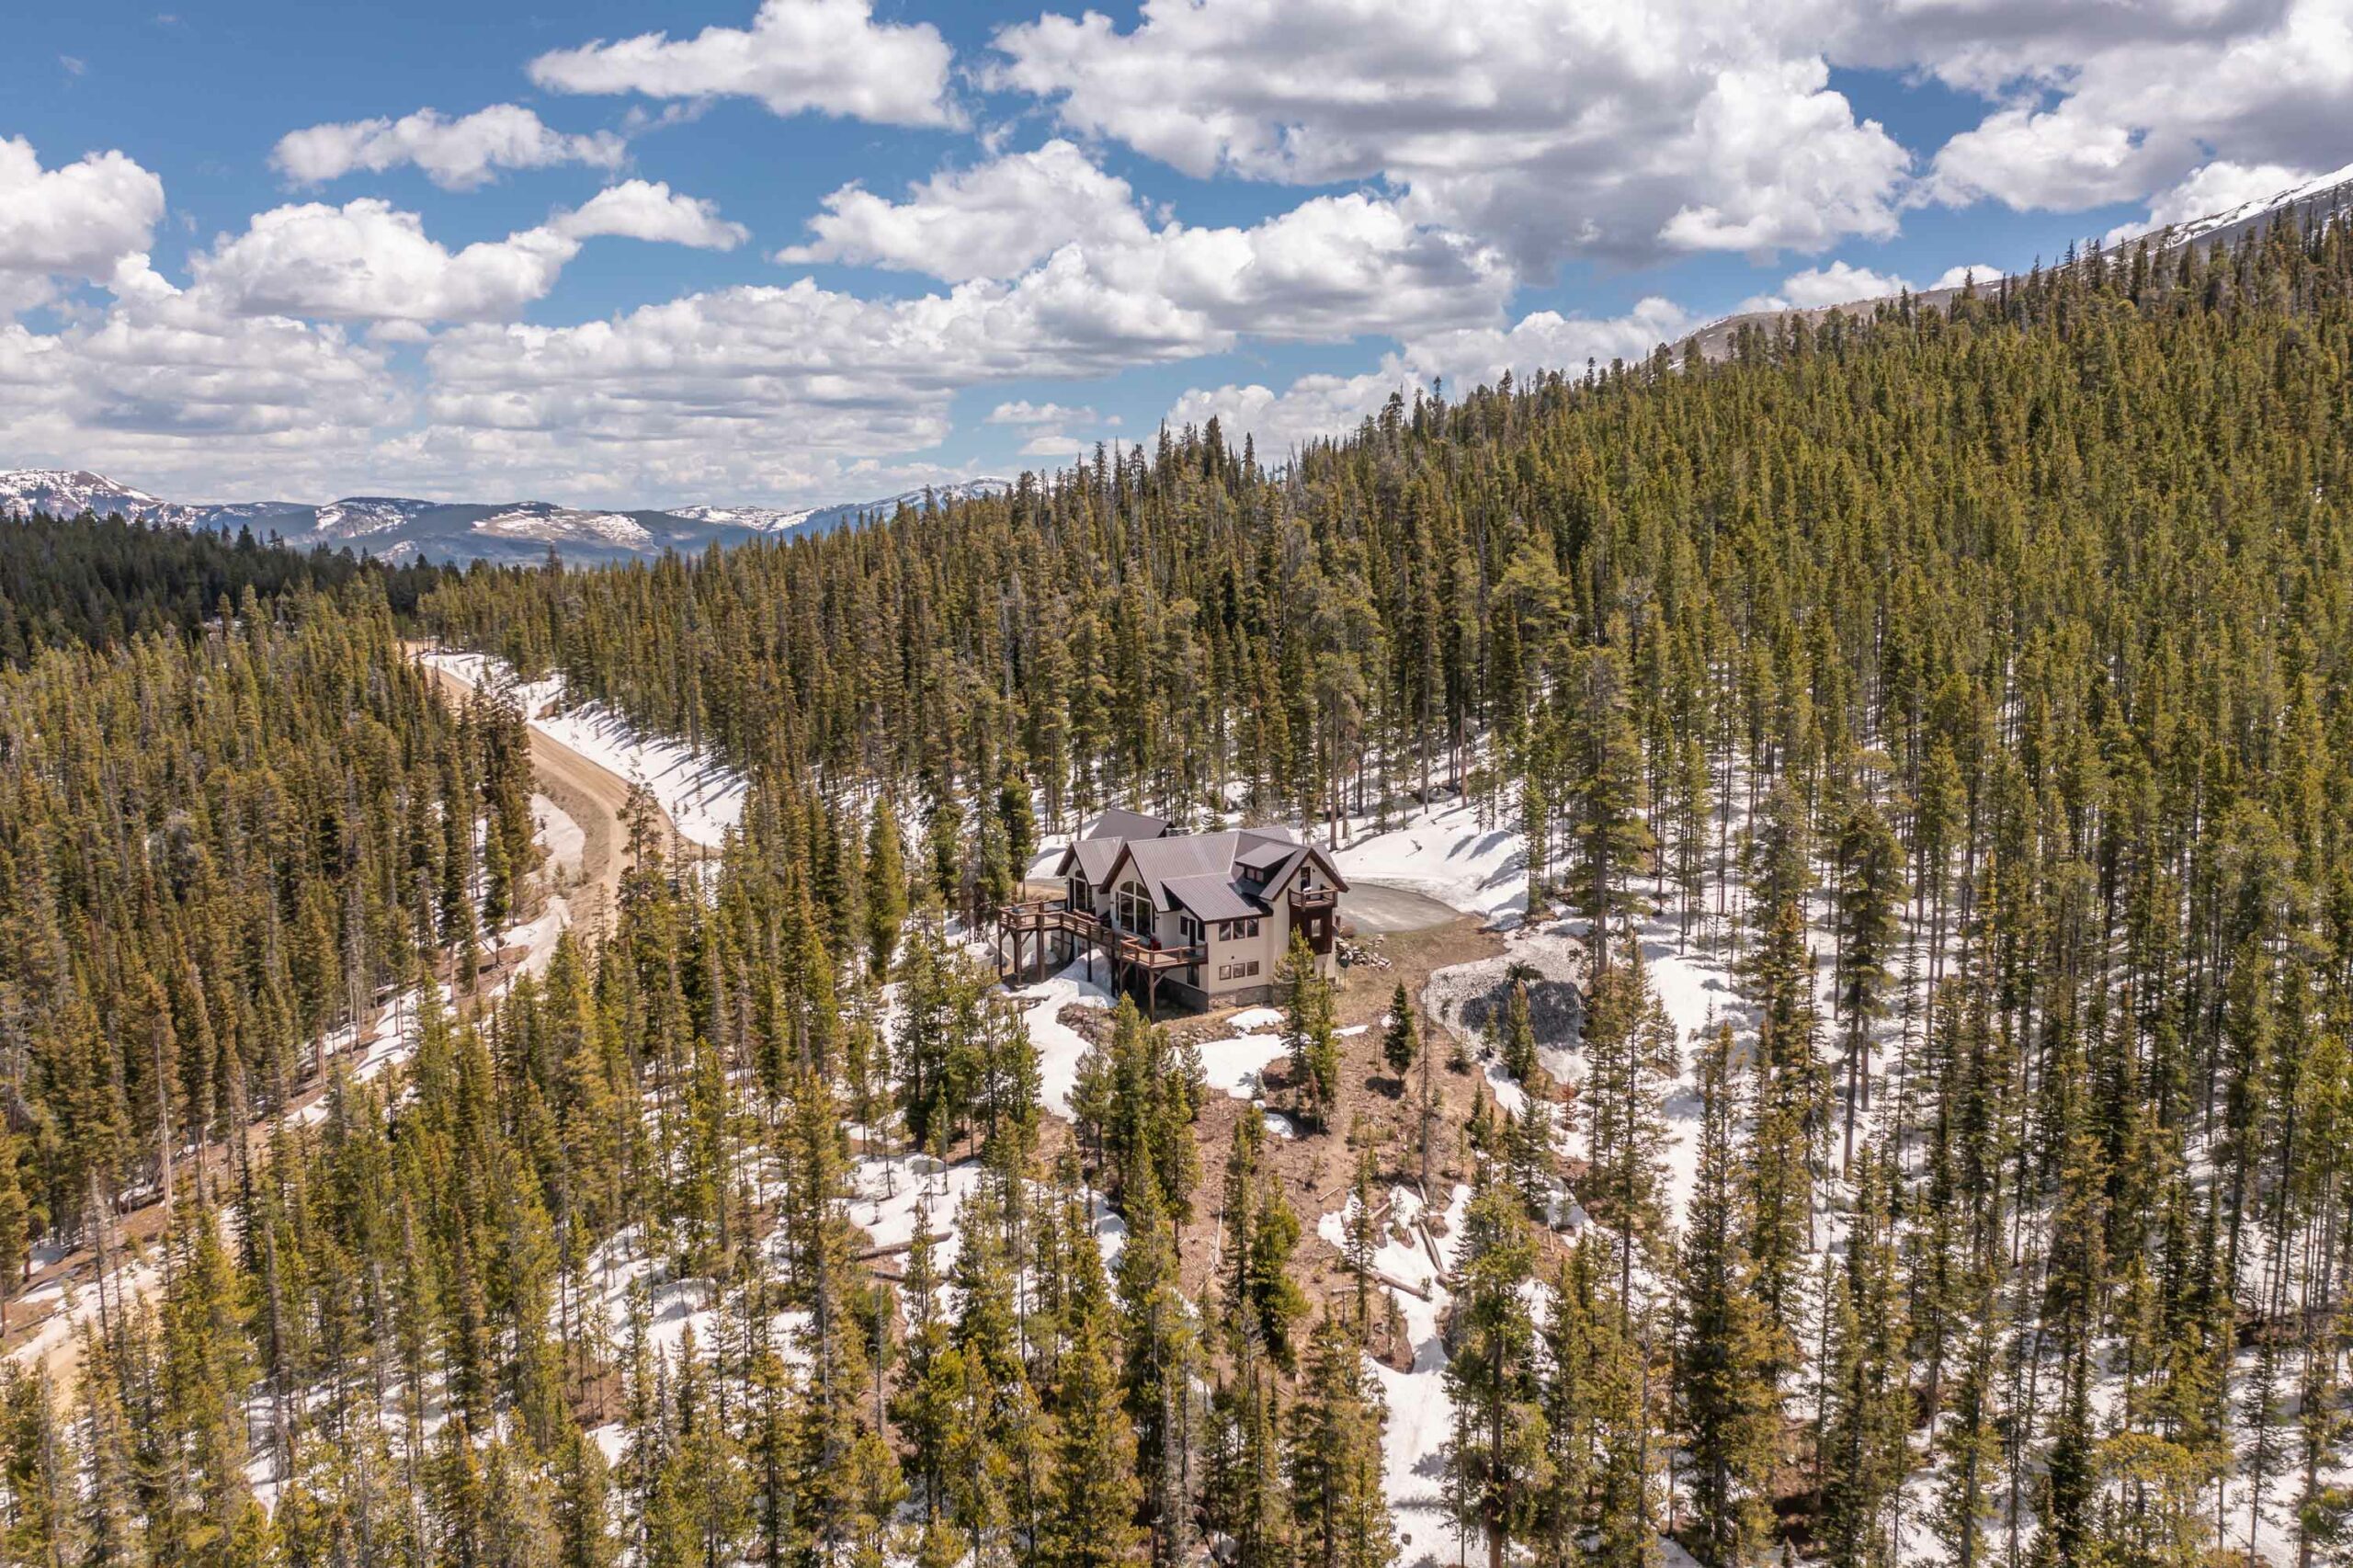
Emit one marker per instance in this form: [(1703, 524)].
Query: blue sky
[(653, 254)]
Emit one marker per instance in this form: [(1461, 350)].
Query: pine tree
[(1338, 1496), (1310, 1031), (1095, 1490), (1400, 1043), (1870, 903), (1866, 1450), (1631, 1058), (584, 1530), (1969, 1458), (1162, 1350), (1604, 789), (1495, 1461), (1726, 1346), (886, 887), (1362, 1241)]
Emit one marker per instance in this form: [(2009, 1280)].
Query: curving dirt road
[(593, 796)]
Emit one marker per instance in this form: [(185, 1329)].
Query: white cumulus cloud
[(1023, 412), (2087, 112), (1323, 404), (831, 56), (1985, 276), (165, 385), (369, 261), (988, 221), (639, 209), (457, 154), (1553, 127), (1839, 283), (75, 221)]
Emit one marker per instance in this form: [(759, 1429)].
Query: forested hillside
[(1971, 691), (68, 582), (217, 852)]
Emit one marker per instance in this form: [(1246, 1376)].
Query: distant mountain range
[(398, 527), (2315, 201)]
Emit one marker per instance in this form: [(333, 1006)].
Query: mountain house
[(1204, 919)]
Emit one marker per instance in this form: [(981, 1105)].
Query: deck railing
[(1038, 915)]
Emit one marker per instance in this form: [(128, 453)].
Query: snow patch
[(704, 798)]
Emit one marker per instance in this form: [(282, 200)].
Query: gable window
[(1133, 909)]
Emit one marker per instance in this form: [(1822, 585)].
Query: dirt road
[(593, 796), (1376, 909)]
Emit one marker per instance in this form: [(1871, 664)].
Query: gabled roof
[(1241, 862), (1262, 851), (1093, 858), (1157, 860), (1213, 897), (1117, 822)]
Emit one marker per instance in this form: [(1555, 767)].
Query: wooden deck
[(1032, 923)]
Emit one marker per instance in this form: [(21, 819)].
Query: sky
[(788, 252)]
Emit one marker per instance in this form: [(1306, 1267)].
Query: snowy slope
[(1444, 852), (704, 799), (550, 524), (2324, 195), (69, 493), (759, 519), (356, 517)]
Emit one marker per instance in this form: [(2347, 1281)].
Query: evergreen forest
[(1973, 686)]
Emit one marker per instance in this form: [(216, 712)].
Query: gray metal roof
[(1214, 875), (1117, 822), (1213, 897), (1257, 848), (1095, 858)]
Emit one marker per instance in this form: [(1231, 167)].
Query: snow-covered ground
[(1421, 1417), (1238, 1063), (567, 846), (704, 798), (1058, 1045), (1443, 851)]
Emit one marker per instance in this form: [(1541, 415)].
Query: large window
[(1133, 909)]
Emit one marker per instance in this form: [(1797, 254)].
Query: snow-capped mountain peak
[(551, 524), (759, 519), (2329, 191), (355, 516), (69, 493), (405, 528)]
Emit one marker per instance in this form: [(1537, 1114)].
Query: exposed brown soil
[(1374, 1111)]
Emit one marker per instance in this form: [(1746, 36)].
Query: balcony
[(1037, 914), (1157, 960), (1033, 917), (1314, 901)]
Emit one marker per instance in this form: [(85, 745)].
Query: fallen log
[(1417, 1291)]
